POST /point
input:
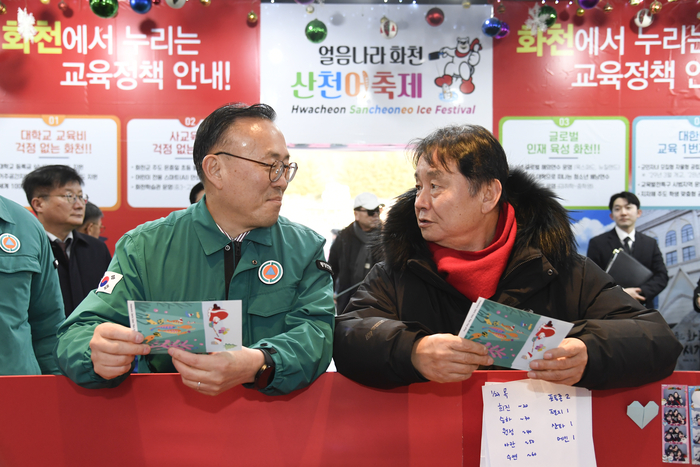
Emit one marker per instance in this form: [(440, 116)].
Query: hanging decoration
[(141, 6), (580, 12), (205, 2), (177, 4), (636, 2), (588, 4), (25, 25), (540, 18), (655, 7), (3, 8), (310, 9), (388, 28), (466, 4), (491, 26), (45, 2), (608, 8), (316, 31), (435, 16), (644, 18), (63, 6), (104, 8), (505, 29), (501, 7), (252, 17)]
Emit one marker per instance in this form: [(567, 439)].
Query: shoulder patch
[(108, 282), (323, 266)]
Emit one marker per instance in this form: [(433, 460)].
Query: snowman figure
[(464, 57)]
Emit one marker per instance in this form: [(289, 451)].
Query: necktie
[(64, 246), (627, 247)]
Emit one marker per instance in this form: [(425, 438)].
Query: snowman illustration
[(463, 59)]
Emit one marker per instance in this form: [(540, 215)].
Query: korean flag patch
[(108, 282)]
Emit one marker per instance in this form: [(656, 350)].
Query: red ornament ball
[(435, 17)]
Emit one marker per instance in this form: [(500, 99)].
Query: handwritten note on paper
[(536, 423)]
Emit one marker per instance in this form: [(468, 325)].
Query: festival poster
[(362, 88)]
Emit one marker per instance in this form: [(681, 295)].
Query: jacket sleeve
[(45, 313), (628, 345), (334, 259), (658, 281), (73, 348), (372, 345), (303, 352)]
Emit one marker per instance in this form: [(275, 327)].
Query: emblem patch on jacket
[(108, 282), (323, 266), (270, 272)]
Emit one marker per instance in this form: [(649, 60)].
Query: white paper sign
[(358, 87), (536, 423), (87, 144), (160, 170), (666, 161), (582, 159)]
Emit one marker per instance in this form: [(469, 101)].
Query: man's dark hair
[(479, 156), (44, 179), (212, 130), (92, 213), (630, 197), (195, 191)]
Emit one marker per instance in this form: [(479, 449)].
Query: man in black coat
[(351, 253), (55, 193), (472, 228), (624, 210)]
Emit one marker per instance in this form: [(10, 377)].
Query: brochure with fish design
[(513, 337), (197, 327)]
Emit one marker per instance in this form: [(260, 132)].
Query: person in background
[(196, 193), (233, 245), (31, 308), (55, 193), (625, 210), (92, 224), (474, 228), (351, 253)]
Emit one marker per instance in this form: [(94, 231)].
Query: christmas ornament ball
[(252, 17), (504, 30), (435, 16), (587, 4), (141, 6), (177, 4), (388, 28), (491, 26), (550, 13), (608, 8), (580, 12), (655, 7), (45, 2), (104, 8), (316, 31)]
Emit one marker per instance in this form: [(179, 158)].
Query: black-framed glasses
[(70, 197), (371, 212), (277, 168)]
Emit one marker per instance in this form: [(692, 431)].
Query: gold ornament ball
[(205, 2), (501, 8), (636, 2), (466, 4), (309, 9), (3, 9), (45, 2), (655, 7), (608, 8), (580, 12), (252, 17)]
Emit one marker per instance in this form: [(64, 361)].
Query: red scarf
[(476, 273)]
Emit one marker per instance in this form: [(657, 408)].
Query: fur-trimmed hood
[(542, 222)]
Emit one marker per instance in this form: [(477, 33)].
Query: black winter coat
[(404, 298)]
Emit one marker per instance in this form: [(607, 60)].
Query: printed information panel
[(666, 161), (357, 87), (89, 144), (582, 159), (160, 169)]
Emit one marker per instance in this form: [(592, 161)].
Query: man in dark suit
[(55, 193), (624, 210)]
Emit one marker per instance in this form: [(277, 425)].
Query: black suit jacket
[(89, 259), (645, 250)]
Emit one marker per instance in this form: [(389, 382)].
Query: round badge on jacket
[(270, 272), (9, 243)]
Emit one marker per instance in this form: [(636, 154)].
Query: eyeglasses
[(70, 197), (371, 213), (277, 168)]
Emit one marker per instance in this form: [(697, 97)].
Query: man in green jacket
[(31, 308), (214, 250)]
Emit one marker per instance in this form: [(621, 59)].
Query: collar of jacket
[(543, 225)]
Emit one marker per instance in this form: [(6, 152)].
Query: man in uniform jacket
[(230, 245), (471, 228), (624, 210), (55, 193)]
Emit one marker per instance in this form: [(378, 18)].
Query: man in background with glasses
[(55, 193), (217, 249), (351, 254)]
